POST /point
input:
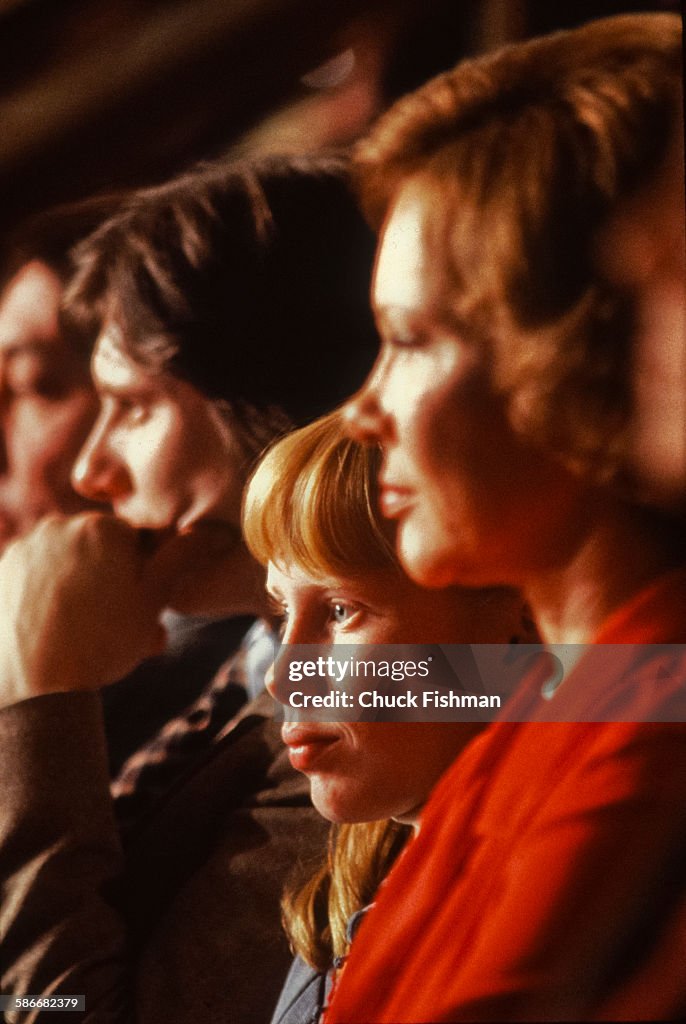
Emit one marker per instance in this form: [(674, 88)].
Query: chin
[(425, 564), (433, 561), (337, 807), (347, 807)]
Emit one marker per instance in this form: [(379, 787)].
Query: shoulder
[(302, 996)]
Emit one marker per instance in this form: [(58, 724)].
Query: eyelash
[(280, 612), (405, 343), (350, 609)]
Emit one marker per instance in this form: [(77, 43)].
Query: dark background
[(99, 94)]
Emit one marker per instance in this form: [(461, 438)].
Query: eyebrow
[(396, 319), (115, 390)]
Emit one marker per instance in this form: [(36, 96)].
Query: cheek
[(385, 770), (386, 763), (158, 478), (212, 467), (157, 454), (432, 427), (414, 755), (46, 438), (73, 424)]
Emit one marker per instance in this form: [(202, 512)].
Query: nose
[(97, 473), (304, 640), (270, 682), (296, 632), (363, 415), (282, 678)]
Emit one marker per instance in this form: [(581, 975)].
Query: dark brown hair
[(48, 237), (249, 280)]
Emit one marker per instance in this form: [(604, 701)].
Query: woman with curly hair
[(548, 877)]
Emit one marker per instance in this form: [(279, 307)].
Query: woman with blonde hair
[(310, 516), (548, 879)]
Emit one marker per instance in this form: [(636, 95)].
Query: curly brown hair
[(526, 153)]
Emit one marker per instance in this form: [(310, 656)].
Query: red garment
[(548, 881)]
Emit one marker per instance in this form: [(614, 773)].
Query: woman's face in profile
[(366, 770), (475, 503)]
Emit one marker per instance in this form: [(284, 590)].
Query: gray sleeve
[(303, 995)]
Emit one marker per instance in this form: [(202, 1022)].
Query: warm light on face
[(475, 503), (363, 770), (164, 458), (158, 451)]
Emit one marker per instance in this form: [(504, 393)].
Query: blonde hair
[(527, 152), (315, 917), (313, 501)]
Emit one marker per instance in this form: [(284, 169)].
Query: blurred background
[(99, 94)]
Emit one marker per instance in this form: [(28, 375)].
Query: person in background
[(227, 306), (643, 251), (48, 406), (47, 401), (548, 877), (311, 518)]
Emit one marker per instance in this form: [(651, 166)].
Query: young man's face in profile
[(47, 404), (165, 460)]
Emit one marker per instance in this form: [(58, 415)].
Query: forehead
[(292, 577), (113, 368), (375, 586), (29, 309), (289, 577), (403, 277)]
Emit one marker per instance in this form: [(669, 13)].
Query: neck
[(411, 818), (622, 550)]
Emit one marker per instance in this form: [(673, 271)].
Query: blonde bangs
[(312, 502)]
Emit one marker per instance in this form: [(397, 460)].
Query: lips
[(394, 500), (306, 744)]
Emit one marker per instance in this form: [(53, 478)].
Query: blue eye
[(340, 612)]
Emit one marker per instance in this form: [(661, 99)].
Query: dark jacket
[(187, 926)]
